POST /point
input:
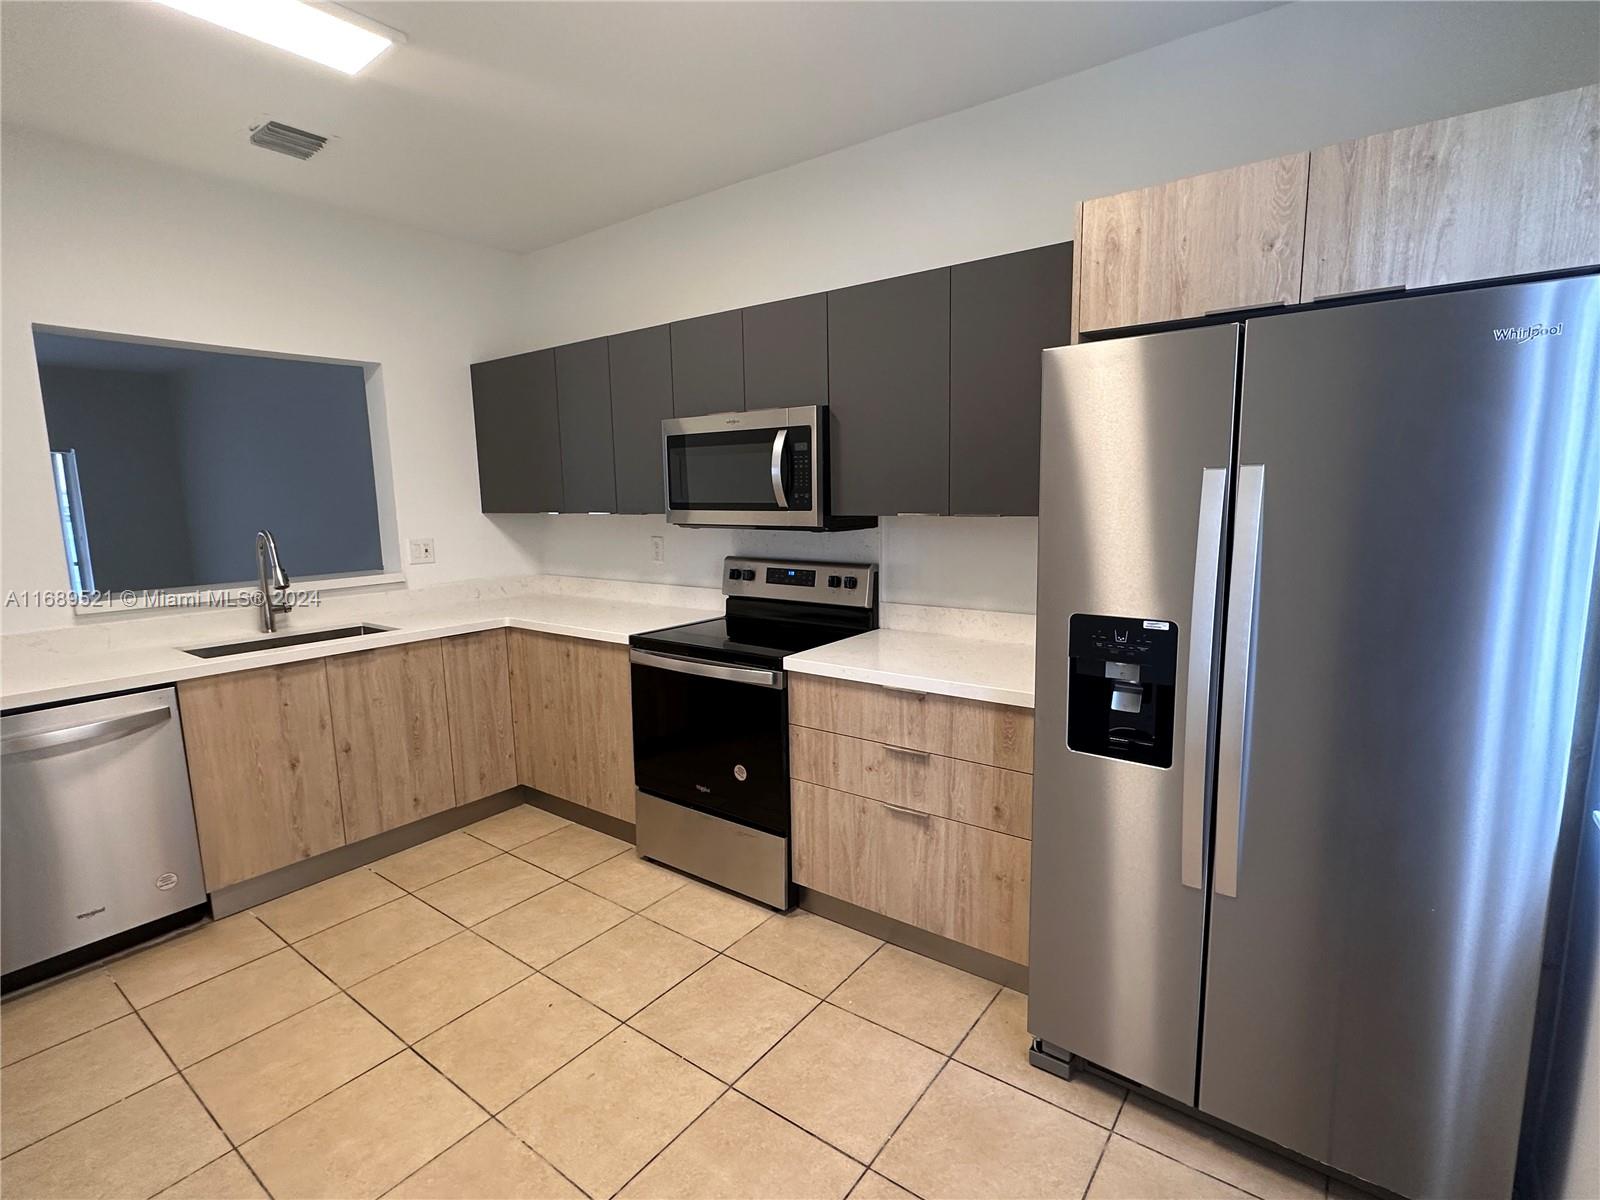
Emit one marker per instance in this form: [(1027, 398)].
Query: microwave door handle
[(778, 492)]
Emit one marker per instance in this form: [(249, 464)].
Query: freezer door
[(1413, 572), (1136, 437)]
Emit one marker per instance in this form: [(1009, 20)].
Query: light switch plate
[(421, 550)]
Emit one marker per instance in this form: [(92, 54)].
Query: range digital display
[(791, 576)]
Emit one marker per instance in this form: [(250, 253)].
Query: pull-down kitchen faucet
[(267, 564)]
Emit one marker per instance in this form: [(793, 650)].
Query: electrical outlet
[(658, 549), (421, 550)]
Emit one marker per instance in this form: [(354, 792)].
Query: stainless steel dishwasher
[(97, 829)]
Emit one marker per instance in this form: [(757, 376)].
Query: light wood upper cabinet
[(262, 769), (571, 704), (391, 736), (1226, 240), (478, 690), (1508, 191)]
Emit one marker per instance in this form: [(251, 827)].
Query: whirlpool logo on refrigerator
[(1529, 333)]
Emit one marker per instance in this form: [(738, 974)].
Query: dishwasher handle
[(50, 739)]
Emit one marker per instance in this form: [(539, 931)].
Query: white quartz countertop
[(43, 670), (1000, 672)]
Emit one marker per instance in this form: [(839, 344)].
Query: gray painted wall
[(184, 454), (282, 444), (122, 424)]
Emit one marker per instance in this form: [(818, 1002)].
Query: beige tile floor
[(526, 1009)]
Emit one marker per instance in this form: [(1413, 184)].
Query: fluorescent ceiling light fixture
[(321, 33)]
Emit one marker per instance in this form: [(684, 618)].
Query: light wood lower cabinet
[(478, 691), (572, 709), (262, 769), (1513, 190), (996, 734), (955, 880), (392, 736), (972, 793)]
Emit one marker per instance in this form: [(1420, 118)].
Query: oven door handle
[(778, 494), (708, 670)]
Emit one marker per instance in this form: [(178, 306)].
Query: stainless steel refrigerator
[(1317, 636)]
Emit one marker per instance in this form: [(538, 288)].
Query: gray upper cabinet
[(708, 364), (889, 388), (514, 412), (786, 353), (641, 398), (583, 386), (1004, 312)]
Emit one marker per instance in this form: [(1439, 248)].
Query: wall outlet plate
[(658, 548), (421, 550)]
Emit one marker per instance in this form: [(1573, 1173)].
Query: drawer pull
[(924, 755), (910, 812), (889, 687)]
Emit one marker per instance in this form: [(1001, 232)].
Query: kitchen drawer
[(969, 792), (996, 734), (963, 883)]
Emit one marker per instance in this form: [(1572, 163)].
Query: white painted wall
[(1005, 176), (95, 241)]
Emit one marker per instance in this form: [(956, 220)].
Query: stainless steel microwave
[(765, 469)]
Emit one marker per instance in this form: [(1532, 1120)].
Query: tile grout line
[(1239, 1187), (522, 1141), (81, 1033), (715, 953), (193, 1091)]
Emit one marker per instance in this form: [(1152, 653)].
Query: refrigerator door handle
[(1202, 638), (1238, 645)]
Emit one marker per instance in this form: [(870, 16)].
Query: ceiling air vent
[(286, 139)]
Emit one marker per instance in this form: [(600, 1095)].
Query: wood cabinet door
[(997, 734), (641, 398), (1225, 240), (604, 728), (968, 792), (889, 395), (708, 364), (544, 711), (477, 678), (583, 386), (262, 769), (1512, 190), (963, 883), (391, 733), (786, 353), (1004, 313), (514, 415)]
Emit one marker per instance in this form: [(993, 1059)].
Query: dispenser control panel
[(1121, 691)]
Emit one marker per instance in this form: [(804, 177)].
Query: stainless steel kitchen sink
[(286, 639)]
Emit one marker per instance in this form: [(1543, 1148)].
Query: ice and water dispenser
[(1121, 693)]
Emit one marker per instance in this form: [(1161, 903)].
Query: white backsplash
[(986, 563)]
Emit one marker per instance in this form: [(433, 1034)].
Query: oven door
[(751, 468), (712, 736)]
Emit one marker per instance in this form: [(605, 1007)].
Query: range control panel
[(853, 584)]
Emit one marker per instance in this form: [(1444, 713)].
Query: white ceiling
[(519, 125)]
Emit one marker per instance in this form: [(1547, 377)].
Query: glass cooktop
[(757, 641)]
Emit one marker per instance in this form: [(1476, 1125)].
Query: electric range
[(711, 719)]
